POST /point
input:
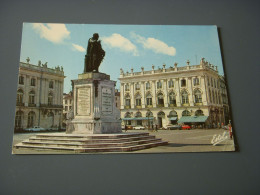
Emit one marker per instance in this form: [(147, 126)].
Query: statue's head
[(95, 36)]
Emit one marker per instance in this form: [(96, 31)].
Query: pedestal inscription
[(106, 101), (83, 101)]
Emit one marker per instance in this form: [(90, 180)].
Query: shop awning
[(173, 118), (193, 119), (137, 118)]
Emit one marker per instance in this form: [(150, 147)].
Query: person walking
[(156, 128)]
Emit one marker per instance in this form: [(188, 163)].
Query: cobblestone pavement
[(197, 140)]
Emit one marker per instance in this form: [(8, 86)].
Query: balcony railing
[(160, 105), (149, 106), (198, 104), (127, 107), (31, 105), (51, 105), (172, 105), (19, 104), (186, 104), (138, 107)]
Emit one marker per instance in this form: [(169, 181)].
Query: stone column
[(132, 95), (56, 92), (61, 97), (204, 91), (190, 91), (143, 94), (122, 94), (154, 93), (37, 92), (177, 85), (165, 89), (42, 91), (27, 85)]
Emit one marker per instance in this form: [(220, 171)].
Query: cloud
[(120, 42), (155, 45), (78, 47), (55, 33)]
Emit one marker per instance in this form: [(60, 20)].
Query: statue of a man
[(95, 54)]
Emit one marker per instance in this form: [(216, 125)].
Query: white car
[(35, 128), (139, 127)]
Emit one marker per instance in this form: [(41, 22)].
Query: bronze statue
[(95, 54)]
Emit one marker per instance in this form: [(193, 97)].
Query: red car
[(185, 127)]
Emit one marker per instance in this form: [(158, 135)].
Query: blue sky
[(126, 46)]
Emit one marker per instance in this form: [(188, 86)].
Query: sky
[(126, 46)]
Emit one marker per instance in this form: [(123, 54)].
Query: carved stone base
[(93, 127), (94, 106)]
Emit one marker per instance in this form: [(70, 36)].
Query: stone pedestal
[(94, 110)]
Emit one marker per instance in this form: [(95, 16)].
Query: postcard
[(95, 88)]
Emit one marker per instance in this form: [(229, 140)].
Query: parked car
[(173, 127), (185, 127), (138, 127), (35, 128)]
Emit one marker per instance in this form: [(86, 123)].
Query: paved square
[(197, 140)]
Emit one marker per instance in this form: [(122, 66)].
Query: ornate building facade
[(166, 95), (67, 106), (39, 96)]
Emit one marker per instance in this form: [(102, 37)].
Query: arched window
[(138, 100), (149, 101), (31, 119), (161, 114), (148, 85), (128, 115), (173, 113), (183, 83), (50, 98), (170, 83), (159, 85), (21, 80), (199, 113), (186, 113), (185, 97), (31, 97), (127, 88), (51, 84), (197, 95), (160, 99), (172, 99), (138, 114), (149, 114), (127, 101), (33, 81), (196, 81), (19, 98), (18, 119)]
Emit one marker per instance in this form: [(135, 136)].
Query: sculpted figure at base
[(95, 54)]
